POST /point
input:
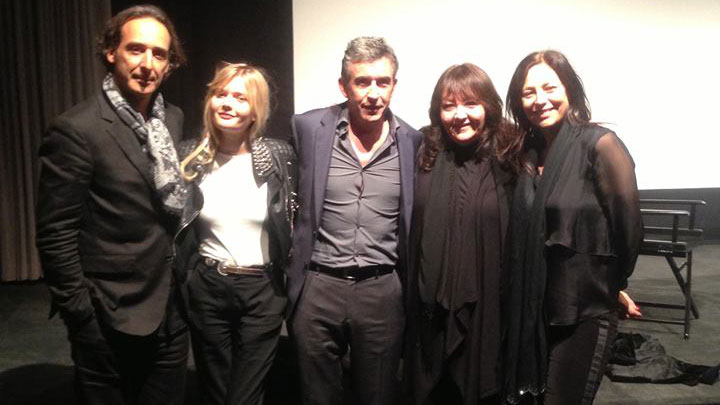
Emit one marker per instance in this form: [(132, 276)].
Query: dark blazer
[(312, 136), (104, 242)]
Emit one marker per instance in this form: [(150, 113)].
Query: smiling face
[(368, 90), (140, 61), (231, 109), (462, 119), (544, 99)]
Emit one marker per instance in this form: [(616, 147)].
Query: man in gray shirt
[(356, 170)]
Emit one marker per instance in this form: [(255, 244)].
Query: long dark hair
[(579, 107), (498, 140)]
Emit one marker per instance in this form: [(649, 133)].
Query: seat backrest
[(669, 226)]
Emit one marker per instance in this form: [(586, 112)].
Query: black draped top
[(593, 227), (575, 235), (456, 281)]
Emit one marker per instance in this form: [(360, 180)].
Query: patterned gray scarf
[(154, 135)]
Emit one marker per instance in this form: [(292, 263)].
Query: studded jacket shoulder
[(273, 163)]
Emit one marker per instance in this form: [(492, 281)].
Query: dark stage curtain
[(48, 64)]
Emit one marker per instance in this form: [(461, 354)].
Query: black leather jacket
[(274, 162)]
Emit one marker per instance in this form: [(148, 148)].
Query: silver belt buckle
[(221, 266)]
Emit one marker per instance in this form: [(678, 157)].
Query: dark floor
[(653, 281), (35, 366)]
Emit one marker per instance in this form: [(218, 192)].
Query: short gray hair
[(366, 49)]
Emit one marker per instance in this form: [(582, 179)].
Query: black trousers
[(114, 368), (366, 319), (577, 356), (235, 322)]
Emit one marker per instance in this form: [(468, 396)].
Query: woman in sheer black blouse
[(466, 169), (575, 232)]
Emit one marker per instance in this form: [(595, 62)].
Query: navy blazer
[(104, 241), (313, 133)]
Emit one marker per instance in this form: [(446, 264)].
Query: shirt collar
[(344, 120)]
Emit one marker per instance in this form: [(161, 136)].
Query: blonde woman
[(235, 238)]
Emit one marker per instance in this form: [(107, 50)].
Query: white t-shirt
[(233, 215)]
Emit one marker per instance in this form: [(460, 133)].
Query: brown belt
[(225, 269)]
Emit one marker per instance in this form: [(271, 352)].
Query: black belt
[(353, 273), (224, 268)]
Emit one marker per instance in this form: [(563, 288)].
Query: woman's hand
[(631, 309)]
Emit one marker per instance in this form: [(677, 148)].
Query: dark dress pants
[(578, 355), (365, 317), (114, 368), (235, 321)]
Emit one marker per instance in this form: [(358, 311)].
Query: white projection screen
[(651, 68)]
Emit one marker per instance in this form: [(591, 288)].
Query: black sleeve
[(615, 174), (287, 157), (294, 136), (292, 170), (65, 173)]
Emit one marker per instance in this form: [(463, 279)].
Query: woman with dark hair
[(575, 234), (466, 169), (235, 238)]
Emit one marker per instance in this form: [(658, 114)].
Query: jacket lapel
[(323, 144), (503, 187), (423, 181), (174, 124), (126, 139), (407, 172)]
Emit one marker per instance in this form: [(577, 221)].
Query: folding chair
[(672, 234)]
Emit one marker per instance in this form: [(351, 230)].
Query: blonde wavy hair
[(258, 93)]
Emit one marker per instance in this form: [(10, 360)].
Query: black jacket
[(274, 163), (104, 240)]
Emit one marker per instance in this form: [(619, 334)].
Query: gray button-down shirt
[(359, 224)]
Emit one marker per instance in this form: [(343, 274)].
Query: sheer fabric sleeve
[(617, 186)]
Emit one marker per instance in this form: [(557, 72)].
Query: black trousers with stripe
[(578, 355)]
